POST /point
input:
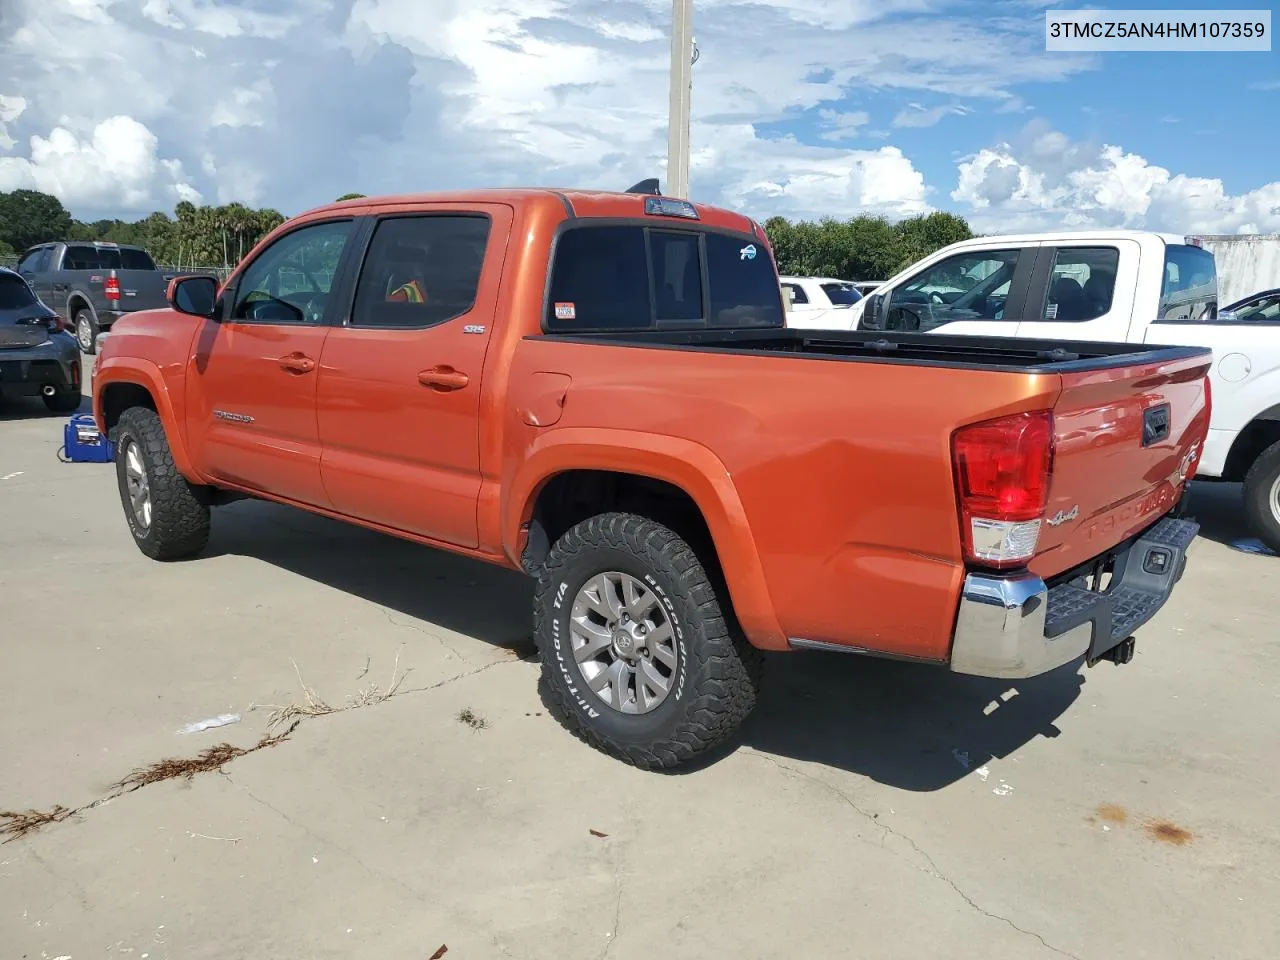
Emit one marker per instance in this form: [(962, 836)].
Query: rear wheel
[(86, 331), (638, 657), (63, 400), (1262, 497), (167, 516)]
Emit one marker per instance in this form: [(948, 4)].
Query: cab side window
[(967, 286), (421, 271), (1082, 284), (291, 280), (35, 261)]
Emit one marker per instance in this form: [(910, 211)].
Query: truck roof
[(578, 202), (1055, 235)]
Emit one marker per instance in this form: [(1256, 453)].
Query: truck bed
[(970, 353)]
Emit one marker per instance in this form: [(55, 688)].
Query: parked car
[(1122, 286), (1264, 306), (91, 285), (37, 356), (598, 389), (815, 299)]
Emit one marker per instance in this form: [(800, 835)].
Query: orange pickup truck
[(600, 389)]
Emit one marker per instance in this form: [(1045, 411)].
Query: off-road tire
[(179, 514), (717, 674), (1258, 483), (66, 400), (82, 320)]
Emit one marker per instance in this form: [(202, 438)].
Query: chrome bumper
[(1015, 627)]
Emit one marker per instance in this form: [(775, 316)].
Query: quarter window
[(797, 292), (421, 271), (290, 281), (1262, 308), (1082, 284)]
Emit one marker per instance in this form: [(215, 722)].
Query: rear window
[(14, 293), (631, 277), (136, 260), (842, 294), (1190, 284), (85, 257)]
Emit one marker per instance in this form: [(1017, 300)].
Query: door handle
[(297, 364), (443, 378)]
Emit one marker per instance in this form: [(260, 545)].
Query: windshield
[(14, 293), (842, 294), (1264, 308)]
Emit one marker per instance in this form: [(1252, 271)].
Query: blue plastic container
[(83, 443)]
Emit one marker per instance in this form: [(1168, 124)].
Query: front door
[(974, 293), (400, 380), (251, 394)]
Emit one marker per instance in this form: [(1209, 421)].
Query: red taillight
[(111, 287), (1002, 470)]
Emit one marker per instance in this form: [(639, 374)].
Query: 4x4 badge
[(1063, 516)]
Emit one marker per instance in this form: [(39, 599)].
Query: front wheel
[(638, 657), (167, 516), (1262, 497)]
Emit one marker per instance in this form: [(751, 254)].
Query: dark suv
[(37, 356)]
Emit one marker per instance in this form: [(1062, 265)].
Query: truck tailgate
[(1126, 439), (142, 289)]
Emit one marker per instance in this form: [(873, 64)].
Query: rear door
[(251, 385), (1082, 290), (976, 292), (400, 377)]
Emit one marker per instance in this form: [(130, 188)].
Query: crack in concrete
[(448, 648), (331, 844), (932, 869)]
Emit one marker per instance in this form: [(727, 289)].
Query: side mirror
[(196, 296), (873, 313)]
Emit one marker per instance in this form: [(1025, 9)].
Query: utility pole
[(682, 57)]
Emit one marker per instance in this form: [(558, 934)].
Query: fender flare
[(88, 301), (144, 373), (685, 464)]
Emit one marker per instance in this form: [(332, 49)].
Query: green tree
[(862, 248), (350, 196), (29, 217)]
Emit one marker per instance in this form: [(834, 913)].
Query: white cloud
[(10, 110), (218, 20), (116, 167), (842, 126), (1047, 180), (916, 115)]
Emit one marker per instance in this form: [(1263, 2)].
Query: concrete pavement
[(869, 809)]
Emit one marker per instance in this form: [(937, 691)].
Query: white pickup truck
[(1126, 286)]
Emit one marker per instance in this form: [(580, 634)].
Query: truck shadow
[(905, 725), (896, 723), (33, 408), (1219, 508), (457, 593)]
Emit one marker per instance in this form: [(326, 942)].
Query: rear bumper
[(25, 370), (1015, 627)]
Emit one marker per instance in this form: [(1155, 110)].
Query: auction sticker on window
[(566, 311)]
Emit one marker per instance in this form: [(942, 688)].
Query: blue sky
[(801, 107)]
